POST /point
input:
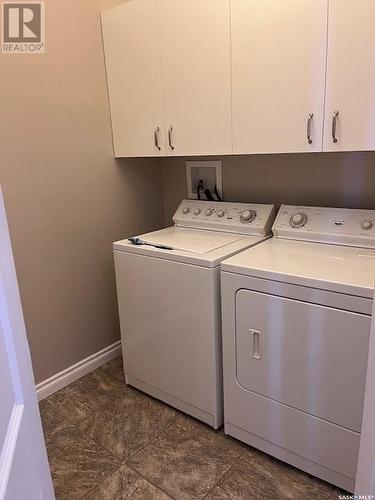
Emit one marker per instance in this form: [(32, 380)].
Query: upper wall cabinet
[(350, 92), (168, 70), (278, 75), (132, 54), (282, 76), (195, 59)]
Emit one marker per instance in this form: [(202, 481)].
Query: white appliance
[(296, 321), (169, 302)]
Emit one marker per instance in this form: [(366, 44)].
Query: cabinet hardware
[(156, 138), (170, 137), (308, 132), (334, 122)]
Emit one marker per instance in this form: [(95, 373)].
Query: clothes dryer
[(296, 320)]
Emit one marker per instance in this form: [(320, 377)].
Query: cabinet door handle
[(334, 123), (308, 131), (156, 138), (170, 138)]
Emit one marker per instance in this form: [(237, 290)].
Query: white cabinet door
[(24, 470), (278, 74), (350, 76), (195, 57), (132, 55)]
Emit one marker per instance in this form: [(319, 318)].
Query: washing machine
[(168, 289), (296, 321)]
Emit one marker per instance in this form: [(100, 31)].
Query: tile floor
[(107, 441)]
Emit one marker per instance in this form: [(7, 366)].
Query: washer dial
[(298, 219), (209, 211), (197, 211), (185, 210), (248, 216), (367, 224), (220, 213)]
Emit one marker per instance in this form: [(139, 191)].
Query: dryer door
[(310, 357)]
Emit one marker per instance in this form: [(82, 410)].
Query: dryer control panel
[(341, 226), (241, 218)]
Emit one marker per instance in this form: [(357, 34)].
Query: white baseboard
[(74, 372)]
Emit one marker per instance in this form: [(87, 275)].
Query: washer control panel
[(242, 218), (341, 226)]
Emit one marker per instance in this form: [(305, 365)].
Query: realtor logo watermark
[(23, 28)]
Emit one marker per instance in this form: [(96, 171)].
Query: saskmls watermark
[(23, 28)]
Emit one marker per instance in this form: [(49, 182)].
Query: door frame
[(365, 479)]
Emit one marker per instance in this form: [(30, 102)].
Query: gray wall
[(322, 179), (67, 199)]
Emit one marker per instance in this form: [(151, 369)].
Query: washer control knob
[(197, 211), (209, 211), (248, 216), (185, 210), (298, 220), (220, 213), (367, 224)]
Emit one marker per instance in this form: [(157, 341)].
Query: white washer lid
[(328, 267), (193, 246), (188, 240)]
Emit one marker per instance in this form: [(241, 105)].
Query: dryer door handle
[(256, 343)]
